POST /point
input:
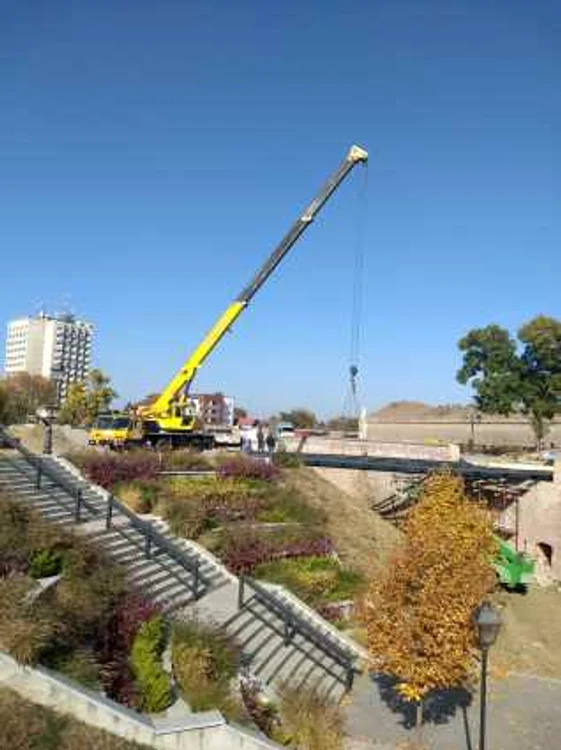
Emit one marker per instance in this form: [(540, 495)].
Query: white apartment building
[(56, 347)]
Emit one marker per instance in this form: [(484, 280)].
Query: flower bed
[(318, 581), (86, 625)]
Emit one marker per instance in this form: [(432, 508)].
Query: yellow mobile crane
[(170, 420)]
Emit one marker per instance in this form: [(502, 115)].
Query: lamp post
[(488, 622), (47, 414), (474, 417)]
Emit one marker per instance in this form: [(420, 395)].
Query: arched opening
[(546, 553)]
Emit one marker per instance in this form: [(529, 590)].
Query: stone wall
[(539, 526), (499, 432), (202, 731)]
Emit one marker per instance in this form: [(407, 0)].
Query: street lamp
[(47, 414), (488, 622)]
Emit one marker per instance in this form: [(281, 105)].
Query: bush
[(310, 719), (145, 660), (141, 496), (193, 507), (316, 580), (204, 663), (244, 550), (285, 460), (243, 467), (286, 505), (80, 665), (24, 633), (115, 643), (45, 563), (110, 469), (185, 460), (88, 590)]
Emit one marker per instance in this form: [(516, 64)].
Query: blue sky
[(154, 153)]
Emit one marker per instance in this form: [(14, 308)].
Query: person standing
[(271, 442), (260, 439)]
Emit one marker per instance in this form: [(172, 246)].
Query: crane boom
[(179, 385)]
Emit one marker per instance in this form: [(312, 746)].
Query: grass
[(204, 664), (26, 726), (316, 580), (310, 720)]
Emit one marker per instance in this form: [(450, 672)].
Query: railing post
[(350, 679), (148, 545), (109, 515), (241, 586), (196, 579), (78, 508), (287, 633)]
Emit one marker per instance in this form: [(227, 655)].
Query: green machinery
[(514, 569)]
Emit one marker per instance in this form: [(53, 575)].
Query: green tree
[(74, 410), (302, 419), (510, 375), (85, 401), (100, 394)]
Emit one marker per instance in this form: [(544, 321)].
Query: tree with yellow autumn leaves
[(419, 616)]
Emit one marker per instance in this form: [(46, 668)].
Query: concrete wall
[(203, 731), (499, 432), (355, 447), (539, 526)]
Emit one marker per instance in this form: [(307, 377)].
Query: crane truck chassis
[(170, 421)]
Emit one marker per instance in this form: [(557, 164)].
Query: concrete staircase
[(258, 628)]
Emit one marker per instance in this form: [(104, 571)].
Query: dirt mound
[(361, 537), (403, 410)]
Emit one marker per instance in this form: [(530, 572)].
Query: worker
[(271, 442), (260, 439)]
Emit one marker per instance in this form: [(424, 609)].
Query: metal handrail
[(294, 623), (155, 538), (152, 537), (43, 469)]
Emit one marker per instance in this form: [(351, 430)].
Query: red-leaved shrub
[(114, 647), (243, 552), (244, 467), (108, 469)]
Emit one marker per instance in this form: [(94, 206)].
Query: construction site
[(252, 556)]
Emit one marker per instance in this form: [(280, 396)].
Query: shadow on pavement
[(438, 707)]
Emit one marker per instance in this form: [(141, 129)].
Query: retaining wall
[(499, 432), (355, 447), (202, 731)]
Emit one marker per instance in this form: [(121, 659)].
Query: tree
[(302, 419), (239, 413), (100, 394), (419, 616), (509, 376), (343, 424), (74, 410), (21, 395), (85, 401)]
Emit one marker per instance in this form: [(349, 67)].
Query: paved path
[(524, 713)]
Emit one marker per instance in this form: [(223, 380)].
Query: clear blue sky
[(153, 153)]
